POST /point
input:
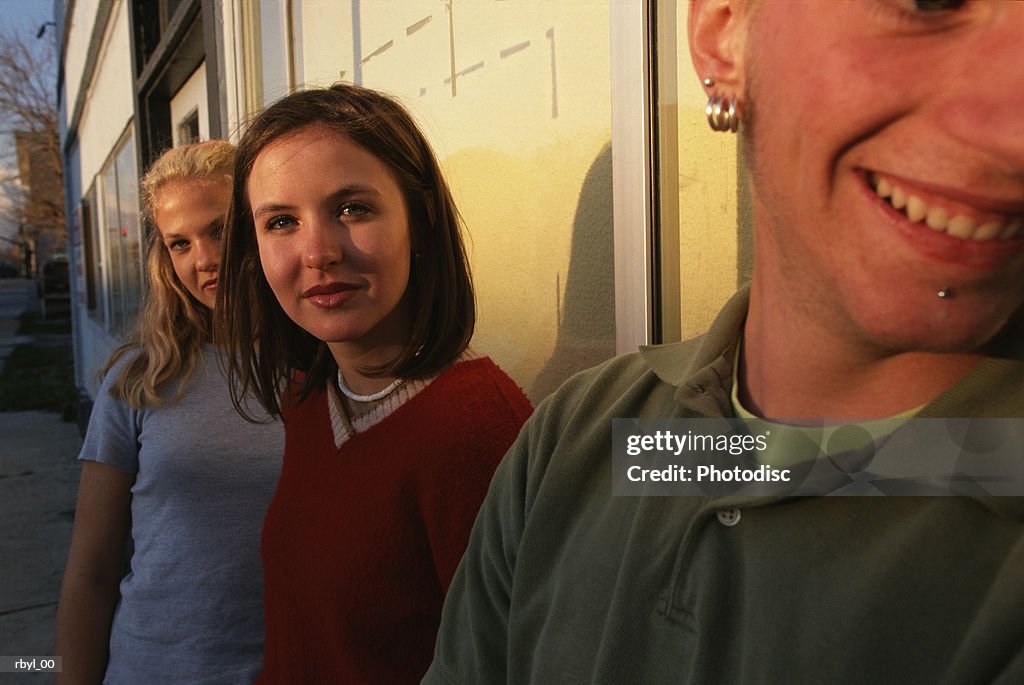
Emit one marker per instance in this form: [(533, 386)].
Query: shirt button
[(728, 517)]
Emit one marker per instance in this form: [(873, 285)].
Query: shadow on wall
[(586, 326)]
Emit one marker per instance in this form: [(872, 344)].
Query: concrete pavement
[(38, 484)]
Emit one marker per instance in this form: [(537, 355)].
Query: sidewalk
[(38, 484)]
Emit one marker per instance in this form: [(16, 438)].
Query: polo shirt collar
[(701, 370)]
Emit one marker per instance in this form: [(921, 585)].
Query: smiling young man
[(886, 148)]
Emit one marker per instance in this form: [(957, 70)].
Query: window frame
[(120, 291)]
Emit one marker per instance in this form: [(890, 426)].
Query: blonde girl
[(163, 581)]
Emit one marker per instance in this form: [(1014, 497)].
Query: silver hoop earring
[(722, 115)]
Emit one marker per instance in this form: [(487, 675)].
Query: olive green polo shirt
[(563, 582)]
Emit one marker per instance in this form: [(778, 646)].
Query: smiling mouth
[(945, 220), (210, 285)]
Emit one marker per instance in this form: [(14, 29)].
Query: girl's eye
[(177, 245), (280, 222), (217, 233), (354, 209)]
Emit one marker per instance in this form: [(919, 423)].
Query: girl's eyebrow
[(339, 194), (216, 223), (270, 208)]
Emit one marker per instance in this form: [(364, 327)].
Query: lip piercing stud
[(945, 293)]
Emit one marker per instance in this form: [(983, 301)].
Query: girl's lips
[(330, 295), (210, 284), (326, 289)]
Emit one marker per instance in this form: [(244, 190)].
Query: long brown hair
[(172, 326), (265, 347)]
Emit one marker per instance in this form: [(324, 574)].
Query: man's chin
[(956, 335)]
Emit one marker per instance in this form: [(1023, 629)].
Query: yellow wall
[(524, 138), (708, 212)]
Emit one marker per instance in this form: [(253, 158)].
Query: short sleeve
[(113, 434)]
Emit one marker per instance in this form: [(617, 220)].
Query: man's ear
[(718, 33)]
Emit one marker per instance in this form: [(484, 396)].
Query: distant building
[(42, 206), (12, 253), (558, 124)]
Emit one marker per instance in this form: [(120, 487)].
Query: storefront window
[(120, 214)]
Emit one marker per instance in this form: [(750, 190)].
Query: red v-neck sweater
[(359, 543)]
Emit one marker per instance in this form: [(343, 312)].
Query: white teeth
[(883, 188), (988, 231), (938, 219), (916, 208), (899, 198), (962, 227)]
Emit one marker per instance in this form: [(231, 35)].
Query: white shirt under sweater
[(344, 428)]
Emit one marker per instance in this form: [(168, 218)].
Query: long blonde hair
[(168, 336)]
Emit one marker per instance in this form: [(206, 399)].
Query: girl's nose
[(322, 247)]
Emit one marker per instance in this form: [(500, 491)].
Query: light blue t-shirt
[(191, 608)]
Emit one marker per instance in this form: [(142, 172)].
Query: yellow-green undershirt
[(790, 444)]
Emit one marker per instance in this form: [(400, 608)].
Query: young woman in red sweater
[(348, 307)]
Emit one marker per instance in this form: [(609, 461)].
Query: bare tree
[(30, 161)]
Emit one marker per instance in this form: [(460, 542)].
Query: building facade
[(41, 207), (601, 213)]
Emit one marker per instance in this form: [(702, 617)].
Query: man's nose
[(984, 103)]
